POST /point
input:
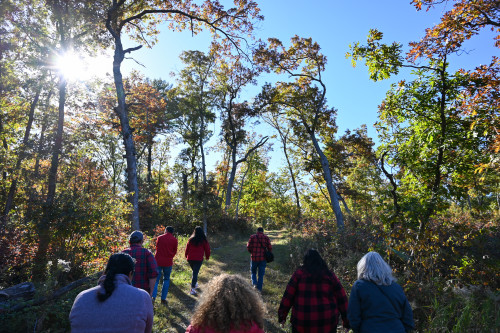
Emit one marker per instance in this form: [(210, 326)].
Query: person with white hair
[(377, 303)]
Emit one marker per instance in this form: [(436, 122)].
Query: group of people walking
[(122, 300)]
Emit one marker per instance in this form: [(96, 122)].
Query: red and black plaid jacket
[(316, 303), (256, 245), (145, 266)]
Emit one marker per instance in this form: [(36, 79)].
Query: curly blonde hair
[(229, 302)]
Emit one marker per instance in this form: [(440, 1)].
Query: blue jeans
[(166, 281), (261, 266), (195, 266)]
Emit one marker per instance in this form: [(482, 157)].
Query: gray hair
[(373, 268)]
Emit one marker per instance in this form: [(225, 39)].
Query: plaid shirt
[(316, 304), (256, 245), (145, 266)]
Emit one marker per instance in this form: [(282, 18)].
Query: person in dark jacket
[(377, 303), (316, 297), (196, 247)]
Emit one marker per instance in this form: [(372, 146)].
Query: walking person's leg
[(262, 270), (195, 266), (253, 272), (166, 282), (155, 289)]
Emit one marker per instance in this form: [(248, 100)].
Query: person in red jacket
[(196, 247), (166, 248), (316, 297), (228, 305)]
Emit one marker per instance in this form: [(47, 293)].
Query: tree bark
[(121, 111), (22, 153), (43, 226), (327, 176)]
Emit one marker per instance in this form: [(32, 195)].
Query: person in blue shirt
[(377, 303)]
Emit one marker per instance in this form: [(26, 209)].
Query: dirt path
[(229, 256)]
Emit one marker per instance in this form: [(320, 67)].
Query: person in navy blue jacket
[(377, 303)]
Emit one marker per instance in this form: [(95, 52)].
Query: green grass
[(229, 255)]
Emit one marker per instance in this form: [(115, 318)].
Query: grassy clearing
[(229, 255)]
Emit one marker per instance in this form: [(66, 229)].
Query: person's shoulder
[(88, 293)]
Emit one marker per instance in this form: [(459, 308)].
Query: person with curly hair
[(114, 305), (316, 297), (228, 305), (196, 247)]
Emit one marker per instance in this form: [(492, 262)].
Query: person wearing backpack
[(258, 245)]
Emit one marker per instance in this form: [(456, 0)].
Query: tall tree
[(139, 16), (196, 104), (232, 77), (422, 127), (303, 100)]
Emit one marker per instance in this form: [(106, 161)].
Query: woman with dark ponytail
[(114, 305)]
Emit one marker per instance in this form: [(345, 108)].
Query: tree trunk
[(43, 226), (184, 189), (230, 181), (127, 133), (204, 175), (327, 176), (240, 192), (290, 169), (22, 153)]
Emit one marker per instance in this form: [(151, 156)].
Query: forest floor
[(229, 255)]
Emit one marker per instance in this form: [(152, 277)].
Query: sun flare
[(75, 67)]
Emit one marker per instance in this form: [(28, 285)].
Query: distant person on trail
[(257, 244), (114, 305), (146, 269), (316, 297), (228, 305), (196, 247), (166, 248), (377, 303)]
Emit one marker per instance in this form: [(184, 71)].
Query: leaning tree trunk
[(290, 169), (327, 176), (22, 153)]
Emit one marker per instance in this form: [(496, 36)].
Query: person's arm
[(149, 314), (341, 299), (176, 244), (407, 317), (354, 309), (207, 250), (249, 245), (187, 249), (288, 298), (269, 246), (152, 272)]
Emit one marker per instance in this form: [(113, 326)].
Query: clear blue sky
[(334, 24)]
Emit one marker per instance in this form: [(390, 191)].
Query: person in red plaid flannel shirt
[(146, 269), (316, 297), (256, 246)]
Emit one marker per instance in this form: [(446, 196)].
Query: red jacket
[(195, 252), (253, 329), (166, 248)]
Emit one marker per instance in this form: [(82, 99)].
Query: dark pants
[(195, 266)]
